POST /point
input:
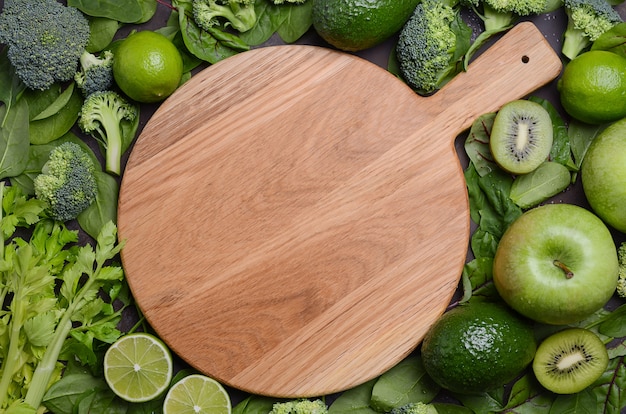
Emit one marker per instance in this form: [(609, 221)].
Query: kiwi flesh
[(570, 360), (521, 136)]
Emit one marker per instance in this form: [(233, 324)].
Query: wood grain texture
[(296, 218)]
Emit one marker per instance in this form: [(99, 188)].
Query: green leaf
[(615, 324), (202, 44), (477, 144), (583, 402), (560, 151), (128, 11), (549, 179), (581, 135), (298, 20), (58, 104), (610, 388), (11, 87), (254, 405), (54, 126), (613, 40), (355, 400), (480, 277), (63, 396), (104, 208), (14, 141), (404, 383), (102, 30)]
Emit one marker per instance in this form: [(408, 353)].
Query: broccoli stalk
[(45, 40), (415, 408), (500, 15), (96, 72), (288, 1), (67, 182), (101, 116), (586, 21), (300, 406), (621, 280), (431, 45), (239, 14)]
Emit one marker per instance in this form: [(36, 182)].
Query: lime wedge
[(138, 367), (197, 394)]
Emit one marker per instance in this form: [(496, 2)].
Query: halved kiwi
[(570, 360), (521, 136)]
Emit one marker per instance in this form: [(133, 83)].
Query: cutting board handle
[(517, 64)]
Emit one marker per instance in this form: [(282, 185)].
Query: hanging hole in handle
[(525, 59)]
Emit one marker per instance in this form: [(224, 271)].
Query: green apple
[(603, 175), (556, 264)]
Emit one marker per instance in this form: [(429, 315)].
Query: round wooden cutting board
[(296, 218)]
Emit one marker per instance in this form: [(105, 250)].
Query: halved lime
[(138, 367), (197, 394)]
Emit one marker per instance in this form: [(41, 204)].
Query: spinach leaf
[(528, 397), (355, 400), (549, 179), (478, 279), (610, 388), (581, 135), (614, 325), (477, 144), (297, 21), (14, 139), (55, 106), (56, 120), (65, 394), (102, 30), (104, 208), (560, 151), (290, 21), (613, 40), (404, 383), (254, 405), (208, 46), (11, 87), (128, 11)]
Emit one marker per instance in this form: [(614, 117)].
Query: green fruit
[(569, 361), (556, 264), (477, 347), (354, 25), (521, 136), (603, 175)]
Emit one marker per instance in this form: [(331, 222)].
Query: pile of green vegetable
[(64, 133)]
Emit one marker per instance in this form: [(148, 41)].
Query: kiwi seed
[(521, 136), (570, 360)]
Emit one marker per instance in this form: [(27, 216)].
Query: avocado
[(477, 347), (354, 25)]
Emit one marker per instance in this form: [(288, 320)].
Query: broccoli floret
[(621, 280), (415, 408), (288, 1), (96, 73), (302, 406), (45, 40), (500, 15), (67, 182), (431, 45), (101, 116), (239, 14), (586, 21)]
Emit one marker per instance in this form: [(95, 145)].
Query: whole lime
[(354, 25), (147, 66), (603, 175), (477, 347), (592, 87)]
